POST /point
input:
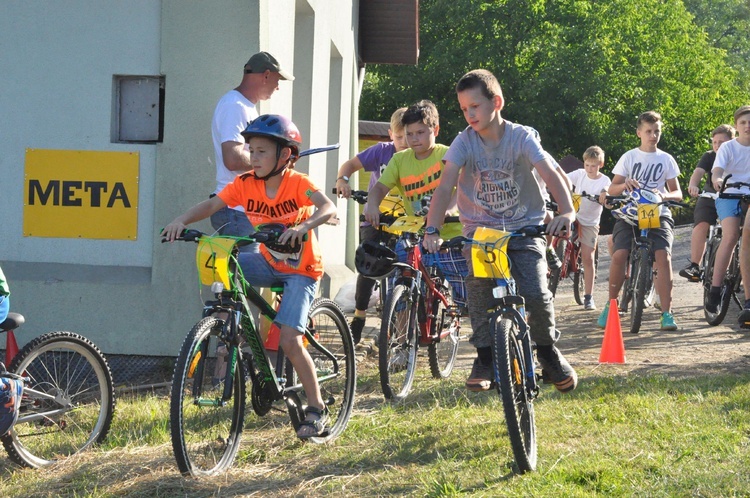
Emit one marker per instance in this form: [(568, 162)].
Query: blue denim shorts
[(299, 290), (228, 221), (728, 208), (4, 308)]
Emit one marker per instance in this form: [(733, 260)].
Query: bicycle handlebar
[(269, 235), (725, 185)]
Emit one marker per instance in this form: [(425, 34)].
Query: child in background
[(646, 167), (704, 214), (373, 159), (732, 158), (592, 181), (415, 172)]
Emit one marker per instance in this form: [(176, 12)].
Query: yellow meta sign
[(81, 194)]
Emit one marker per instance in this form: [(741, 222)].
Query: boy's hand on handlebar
[(292, 236), (343, 189), (560, 224), (432, 242), (693, 191), (372, 214), (172, 231), (631, 183)]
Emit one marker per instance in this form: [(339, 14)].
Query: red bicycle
[(419, 311), (569, 252)]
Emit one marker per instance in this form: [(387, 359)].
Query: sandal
[(318, 424)]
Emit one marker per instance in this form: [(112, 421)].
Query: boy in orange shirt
[(273, 192)]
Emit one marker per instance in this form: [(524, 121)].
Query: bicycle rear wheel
[(510, 374), (68, 400), (397, 355), (442, 351), (641, 286), (337, 382), (205, 429)]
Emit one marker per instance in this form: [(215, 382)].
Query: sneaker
[(588, 304), (667, 321), (713, 301), (691, 272), (480, 378), (553, 262), (556, 369), (357, 325), (602, 321), (744, 318)]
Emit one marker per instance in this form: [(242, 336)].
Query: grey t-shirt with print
[(496, 186)]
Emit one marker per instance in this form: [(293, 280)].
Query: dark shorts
[(705, 211), (623, 234)]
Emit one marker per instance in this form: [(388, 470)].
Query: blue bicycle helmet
[(628, 212), (280, 129)]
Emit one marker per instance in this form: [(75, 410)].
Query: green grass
[(614, 436)]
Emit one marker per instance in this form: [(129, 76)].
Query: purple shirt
[(375, 158)]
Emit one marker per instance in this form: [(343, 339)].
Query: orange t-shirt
[(291, 206)]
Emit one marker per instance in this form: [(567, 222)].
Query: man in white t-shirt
[(232, 114), (650, 168), (592, 181)]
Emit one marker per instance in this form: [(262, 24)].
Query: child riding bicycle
[(491, 163), (646, 167), (272, 192), (592, 181), (732, 158)]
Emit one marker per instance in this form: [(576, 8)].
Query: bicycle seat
[(278, 289), (13, 321)]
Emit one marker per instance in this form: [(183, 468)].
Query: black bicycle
[(642, 211), (731, 284), (226, 347), (516, 380)]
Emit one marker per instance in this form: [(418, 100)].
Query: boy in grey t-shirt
[(491, 163)]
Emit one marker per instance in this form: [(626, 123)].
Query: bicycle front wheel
[(726, 291), (206, 429), (442, 351), (68, 400), (397, 355), (641, 287), (510, 374), (337, 380)]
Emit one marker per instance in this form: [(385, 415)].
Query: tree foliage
[(579, 71)]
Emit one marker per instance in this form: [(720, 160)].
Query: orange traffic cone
[(11, 347), (613, 347)]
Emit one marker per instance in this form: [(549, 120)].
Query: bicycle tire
[(510, 377), (205, 432), (641, 286), (73, 370), (579, 281), (718, 317), (554, 275), (397, 344), (332, 333), (442, 352)]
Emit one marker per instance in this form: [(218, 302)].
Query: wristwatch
[(343, 177), (431, 231)]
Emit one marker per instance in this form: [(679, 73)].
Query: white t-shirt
[(651, 169), (590, 212), (735, 159), (232, 114)]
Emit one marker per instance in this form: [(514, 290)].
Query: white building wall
[(141, 297)]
